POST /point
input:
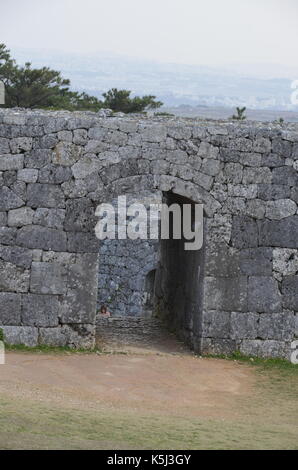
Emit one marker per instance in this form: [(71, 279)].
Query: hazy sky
[(213, 32)]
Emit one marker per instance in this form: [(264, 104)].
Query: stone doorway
[(153, 288)]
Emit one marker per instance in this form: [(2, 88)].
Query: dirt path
[(158, 383), (146, 399)]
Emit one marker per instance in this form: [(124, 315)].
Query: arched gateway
[(238, 293)]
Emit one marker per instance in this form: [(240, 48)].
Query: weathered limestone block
[(21, 335), (13, 278), (80, 136), (221, 261), (19, 188), (48, 141), (45, 195), (282, 147), (285, 261), (285, 175), (216, 324), (75, 188), (218, 229), (66, 154), (79, 305), (211, 167), (269, 192), (278, 326), (262, 145), (233, 173), (95, 147), (73, 336), (96, 133), (116, 137), (21, 257), (4, 146), (263, 295), (279, 233), (244, 325), (65, 136), (267, 348), (20, 217), (80, 215), (9, 199), (207, 150), (3, 219), (8, 235), (225, 294), (240, 144), (27, 175), (10, 308), (256, 261), (21, 144), (273, 160), (217, 346), (154, 133), (249, 191), (40, 310), (244, 232), (54, 174), (256, 208), (59, 124), (178, 132), (219, 192), (11, 162), (9, 177), (234, 205), (205, 181), (280, 209), (14, 119), (38, 158), (87, 165), (42, 238), (48, 278), (52, 218), (290, 292), (257, 175), (82, 242)]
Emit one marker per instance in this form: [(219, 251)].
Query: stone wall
[(124, 266), (55, 168)]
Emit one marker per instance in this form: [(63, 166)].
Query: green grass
[(50, 349), (266, 363), (26, 425), (265, 418)]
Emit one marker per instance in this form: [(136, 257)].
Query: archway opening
[(179, 282), (151, 284)]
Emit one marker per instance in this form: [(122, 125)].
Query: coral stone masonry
[(239, 292)]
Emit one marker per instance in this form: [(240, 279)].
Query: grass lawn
[(264, 419)]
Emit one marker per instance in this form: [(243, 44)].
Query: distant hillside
[(213, 112), (174, 84)]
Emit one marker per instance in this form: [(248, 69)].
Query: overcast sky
[(212, 32)]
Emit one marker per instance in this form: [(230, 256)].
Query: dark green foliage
[(27, 87), (240, 116), (120, 100)]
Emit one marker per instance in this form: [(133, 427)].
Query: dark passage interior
[(179, 283), (150, 285)]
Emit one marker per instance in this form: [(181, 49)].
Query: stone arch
[(56, 167)]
